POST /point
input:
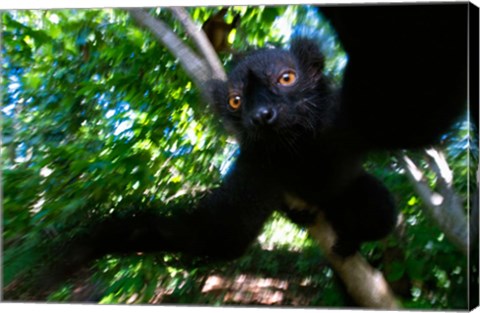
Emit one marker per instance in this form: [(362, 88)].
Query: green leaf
[(416, 268), (396, 271)]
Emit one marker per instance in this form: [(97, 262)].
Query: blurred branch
[(446, 208), (201, 41), (198, 69), (353, 270), (366, 285)]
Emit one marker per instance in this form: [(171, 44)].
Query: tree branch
[(366, 285), (196, 68), (202, 43), (445, 208)]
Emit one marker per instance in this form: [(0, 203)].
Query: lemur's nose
[(264, 116)]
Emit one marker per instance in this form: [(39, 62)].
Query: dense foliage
[(99, 118)]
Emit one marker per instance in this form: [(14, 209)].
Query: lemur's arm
[(220, 227)]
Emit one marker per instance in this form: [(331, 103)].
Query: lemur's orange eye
[(234, 102), (287, 78)]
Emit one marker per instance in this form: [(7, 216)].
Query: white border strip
[(44, 4)]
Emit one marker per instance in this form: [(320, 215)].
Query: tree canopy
[(99, 118)]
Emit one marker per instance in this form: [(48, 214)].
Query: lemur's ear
[(309, 56)]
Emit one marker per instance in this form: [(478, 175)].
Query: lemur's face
[(275, 94)]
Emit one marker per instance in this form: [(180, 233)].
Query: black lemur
[(301, 138)]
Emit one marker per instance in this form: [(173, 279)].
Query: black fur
[(406, 79), (404, 85), (306, 147)]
